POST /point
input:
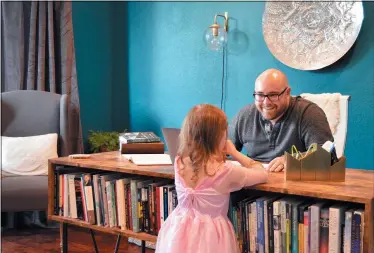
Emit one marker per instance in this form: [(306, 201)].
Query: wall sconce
[(215, 36)]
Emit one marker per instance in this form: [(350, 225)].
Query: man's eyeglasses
[(273, 97)]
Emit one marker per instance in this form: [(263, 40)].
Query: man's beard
[(272, 113)]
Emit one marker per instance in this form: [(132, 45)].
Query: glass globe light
[(215, 37)]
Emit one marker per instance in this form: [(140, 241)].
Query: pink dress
[(199, 223)]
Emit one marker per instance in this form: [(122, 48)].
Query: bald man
[(277, 121)]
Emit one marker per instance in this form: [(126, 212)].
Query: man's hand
[(277, 164)]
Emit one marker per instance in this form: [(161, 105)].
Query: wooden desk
[(358, 188)]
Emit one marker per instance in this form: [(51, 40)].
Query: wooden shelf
[(114, 161), (357, 188), (111, 230)]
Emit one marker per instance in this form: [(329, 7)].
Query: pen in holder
[(313, 165)]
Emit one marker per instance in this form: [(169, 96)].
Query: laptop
[(171, 136)]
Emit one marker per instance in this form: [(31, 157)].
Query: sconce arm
[(226, 17)]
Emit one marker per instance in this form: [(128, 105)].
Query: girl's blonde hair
[(200, 136)]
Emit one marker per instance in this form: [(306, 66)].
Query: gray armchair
[(29, 113)]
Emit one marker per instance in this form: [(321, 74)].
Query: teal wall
[(100, 31), (170, 70)]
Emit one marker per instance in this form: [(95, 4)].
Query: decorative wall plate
[(311, 35)]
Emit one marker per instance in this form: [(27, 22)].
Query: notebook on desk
[(149, 159)]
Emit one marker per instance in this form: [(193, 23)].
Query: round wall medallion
[(311, 35)]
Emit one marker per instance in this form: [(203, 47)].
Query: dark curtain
[(37, 53)]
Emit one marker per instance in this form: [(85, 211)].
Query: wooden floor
[(48, 240)]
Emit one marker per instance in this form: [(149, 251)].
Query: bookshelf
[(358, 188)]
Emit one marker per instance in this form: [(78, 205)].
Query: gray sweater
[(302, 124)]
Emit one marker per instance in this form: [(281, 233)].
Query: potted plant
[(99, 141)]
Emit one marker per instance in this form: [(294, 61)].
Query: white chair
[(338, 129)]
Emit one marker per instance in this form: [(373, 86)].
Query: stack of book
[(140, 143)]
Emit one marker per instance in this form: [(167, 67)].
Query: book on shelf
[(262, 223), (336, 228), (138, 137), (295, 224), (129, 202)]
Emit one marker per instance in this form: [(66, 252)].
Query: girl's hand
[(230, 148)]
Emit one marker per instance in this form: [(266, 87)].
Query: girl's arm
[(244, 160), (250, 173)]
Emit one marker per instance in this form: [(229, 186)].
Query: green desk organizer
[(314, 166)]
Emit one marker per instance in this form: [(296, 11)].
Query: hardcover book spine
[(288, 227), (266, 226), (277, 227), (255, 235), (361, 214), (166, 208), (335, 221), (260, 226), (283, 226), (105, 202), (114, 204), (101, 202), (140, 209), (95, 180), (162, 217), (301, 238), (348, 231), (120, 203), (78, 197), (295, 229), (61, 195), (134, 207), (306, 231), (270, 227), (247, 214), (110, 206), (324, 231), (66, 195), (89, 198), (129, 206), (125, 207), (72, 198), (355, 243), (301, 233), (158, 209), (253, 238), (151, 207), (314, 229), (145, 202)]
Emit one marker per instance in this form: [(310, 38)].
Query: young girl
[(203, 182)]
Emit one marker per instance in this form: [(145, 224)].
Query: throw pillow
[(28, 156)]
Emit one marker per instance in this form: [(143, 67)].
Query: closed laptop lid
[(171, 136)]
